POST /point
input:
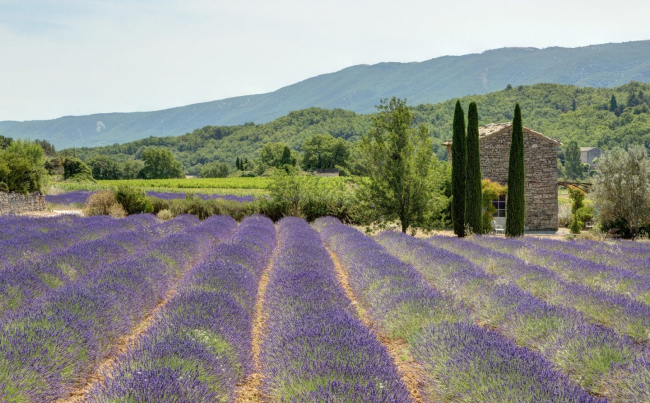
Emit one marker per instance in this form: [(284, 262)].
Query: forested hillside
[(559, 111), (359, 88)]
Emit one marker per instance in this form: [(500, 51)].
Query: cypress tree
[(613, 105), (474, 203), (237, 164), (516, 202), (458, 172)]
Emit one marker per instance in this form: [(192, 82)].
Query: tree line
[(566, 113)]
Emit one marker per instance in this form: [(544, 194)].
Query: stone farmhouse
[(540, 159), (588, 154)]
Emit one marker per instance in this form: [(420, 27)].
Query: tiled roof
[(492, 128)]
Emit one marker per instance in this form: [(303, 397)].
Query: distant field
[(232, 186)]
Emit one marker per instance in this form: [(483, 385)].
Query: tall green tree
[(621, 188), (474, 202), (215, 170), (324, 151), (5, 142), (613, 105), (75, 169), (131, 169), (572, 162), (516, 202), (286, 158), (22, 167), (159, 163), (404, 182), (270, 155), (104, 167), (48, 147), (458, 172)]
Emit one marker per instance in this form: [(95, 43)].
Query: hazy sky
[(76, 57)]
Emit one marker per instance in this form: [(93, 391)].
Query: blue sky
[(76, 57)]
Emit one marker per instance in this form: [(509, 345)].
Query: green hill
[(548, 108), (359, 89)]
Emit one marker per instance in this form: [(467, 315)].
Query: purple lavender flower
[(315, 348), (199, 348), (454, 367)]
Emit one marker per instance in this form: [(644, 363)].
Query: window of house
[(500, 205)]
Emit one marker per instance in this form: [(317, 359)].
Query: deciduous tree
[(215, 170), (159, 163), (403, 183), (621, 189), (22, 167), (324, 151)]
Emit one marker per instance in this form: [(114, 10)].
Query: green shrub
[(585, 214), (117, 211), (103, 202), (75, 169), (165, 215), (22, 167), (215, 170), (575, 225), (4, 187), (206, 208), (159, 204), (133, 200)]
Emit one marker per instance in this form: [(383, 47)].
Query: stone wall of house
[(14, 203), (540, 159)]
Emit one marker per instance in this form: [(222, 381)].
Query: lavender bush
[(25, 282), (624, 315), (583, 351), (51, 347), (315, 349), (606, 276), (199, 348), (461, 361)]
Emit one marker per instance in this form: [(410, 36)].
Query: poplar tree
[(458, 172), (474, 202), (516, 202)]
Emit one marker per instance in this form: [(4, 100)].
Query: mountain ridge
[(359, 88)]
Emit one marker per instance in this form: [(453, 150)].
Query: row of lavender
[(29, 279), (44, 235), (199, 347), (597, 358), (52, 346), (620, 313), (80, 197), (315, 349), (610, 273), (633, 256), (461, 361)]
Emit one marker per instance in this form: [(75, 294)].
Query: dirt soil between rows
[(123, 344), (250, 389), (397, 348)]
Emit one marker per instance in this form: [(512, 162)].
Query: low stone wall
[(14, 203)]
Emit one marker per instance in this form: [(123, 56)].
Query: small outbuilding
[(540, 161), (589, 154)]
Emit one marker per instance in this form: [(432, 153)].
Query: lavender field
[(100, 309)]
